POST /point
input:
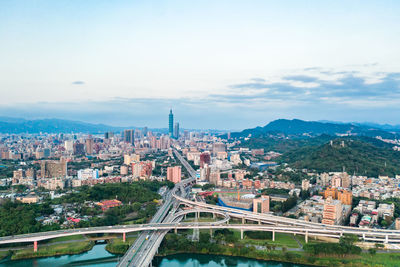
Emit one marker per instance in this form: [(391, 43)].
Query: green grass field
[(65, 238), (54, 250), (118, 246)]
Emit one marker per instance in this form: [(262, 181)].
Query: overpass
[(144, 248), (168, 218)]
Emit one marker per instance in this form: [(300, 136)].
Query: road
[(142, 251)]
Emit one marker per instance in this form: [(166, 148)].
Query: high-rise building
[(50, 169), (218, 147), (79, 149), (261, 205), (89, 145), (205, 158), (174, 174), (129, 136), (176, 130), (171, 123), (108, 135), (69, 145), (332, 213)]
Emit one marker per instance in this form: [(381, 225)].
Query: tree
[(372, 251), (348, 239)]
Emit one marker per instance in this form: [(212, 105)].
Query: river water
[(99, 256)]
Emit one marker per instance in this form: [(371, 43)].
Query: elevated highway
[(169, 217)]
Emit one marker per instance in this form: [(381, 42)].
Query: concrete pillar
[(306, 238), (386, 239), (273, 235), (184, 217), (213, 215), (175, 230), (211, 232), (198, 215), (35, 246), (243, 220), (364, 236), (341, 234), (124, 237), (241, 233), (259, 221)]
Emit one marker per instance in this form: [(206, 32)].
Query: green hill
[(363, 156)]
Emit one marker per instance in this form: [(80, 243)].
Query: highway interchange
[(169, 216)]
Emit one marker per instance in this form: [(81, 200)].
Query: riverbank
[(179, 244), (118, 246), (54, 250)]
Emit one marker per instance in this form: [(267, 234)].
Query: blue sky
[(218, 64)]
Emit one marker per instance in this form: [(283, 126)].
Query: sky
[(217, 64)]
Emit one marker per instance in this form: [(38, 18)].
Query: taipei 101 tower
[(171, 123)]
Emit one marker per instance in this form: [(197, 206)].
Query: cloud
[(78, 82), (346, 95), (301, 78), (258, 80), (343, 87)]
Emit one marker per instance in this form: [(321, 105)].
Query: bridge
[(169, 216)]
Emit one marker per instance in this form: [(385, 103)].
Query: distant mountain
[(298, 128), (17, 125), (360, 155)]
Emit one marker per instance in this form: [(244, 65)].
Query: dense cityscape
[(62, 182), (199, 133)]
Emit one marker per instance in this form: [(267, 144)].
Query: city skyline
[(246, 64)]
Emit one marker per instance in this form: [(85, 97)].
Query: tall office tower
[(176, 130), (89, 145), (129, 136), (69, 145), (145, 130), (171, 123), (186, 134), (138, 134), (79, 149), (108, 135)]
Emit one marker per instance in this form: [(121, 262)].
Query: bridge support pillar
[(243, 220), (211, 232), (175, 231), (241, 233), (197, 215), (273, 235), (259, 221), (35, 246), (386, 239), (306, 238), (213, 215), (363, 236), (124, 237)]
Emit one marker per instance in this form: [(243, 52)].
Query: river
[(98, 256)]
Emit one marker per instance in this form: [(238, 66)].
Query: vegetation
[(142, 191), (54, 250), (282, 145), (362, 155), (173, 244), (18, 218), (344, 247), (118, 246), (275, 191)]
